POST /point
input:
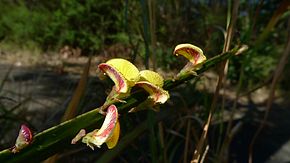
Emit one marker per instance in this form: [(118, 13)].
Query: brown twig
[(187, 141), (277, 74), (222, 74)]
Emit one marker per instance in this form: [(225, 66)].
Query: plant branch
[(58, 138)]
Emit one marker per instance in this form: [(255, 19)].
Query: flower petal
[(121, 84), (98, 137), (126, 68), (152, 77), (113, 140), (193, 53), (157, 94), (24, 138)]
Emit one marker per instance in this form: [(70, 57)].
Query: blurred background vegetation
[(145, 32)]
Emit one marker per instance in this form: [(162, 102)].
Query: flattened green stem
[(57, 138), (52, 140)]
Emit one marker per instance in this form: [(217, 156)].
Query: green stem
[(57, 138)]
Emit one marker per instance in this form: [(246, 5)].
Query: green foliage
[(21, 25), (85, 24), (260, 61)]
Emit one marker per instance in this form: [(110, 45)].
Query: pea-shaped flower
[(193, 53), (24, 139), (108, 133), (124, 74), (151, 82)]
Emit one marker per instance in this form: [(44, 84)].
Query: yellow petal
[(98, 137), (157, 94), (152, 77), (193, 53), (126, 68), (113, 140), (121, 84)]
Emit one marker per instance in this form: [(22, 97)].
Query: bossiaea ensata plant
[(125, 76), (55, 139)]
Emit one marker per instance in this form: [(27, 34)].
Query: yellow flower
[(193, 53), (123, 73), (108, 133), (152, 83)]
